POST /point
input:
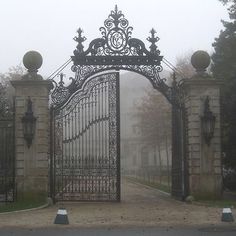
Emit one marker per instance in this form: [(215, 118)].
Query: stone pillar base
[(207, 187)]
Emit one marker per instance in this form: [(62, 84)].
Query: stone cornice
[(46, 83), (201, 82)]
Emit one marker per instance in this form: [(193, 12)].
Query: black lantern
[(29, 122), (208, 122)]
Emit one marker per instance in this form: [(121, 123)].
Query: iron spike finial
[(153, 39), (116, 15), (153, 32), (80, 39), (61, 82), (174, 83)]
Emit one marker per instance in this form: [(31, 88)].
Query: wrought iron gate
[(7, 150), (76, 158), (180, 185), (86, 143)]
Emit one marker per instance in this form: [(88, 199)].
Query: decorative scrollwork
[(116, 33), (117, 50), (60, 93)]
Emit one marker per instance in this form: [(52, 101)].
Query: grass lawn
[(21, 205), (212, 203), (219, 203)]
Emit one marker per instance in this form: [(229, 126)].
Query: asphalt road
[(168, 231)]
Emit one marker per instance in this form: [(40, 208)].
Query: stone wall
[(204, 162), (32, 164)]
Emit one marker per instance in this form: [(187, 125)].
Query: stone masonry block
[(194, 132), (42, 125), (20, 172), (42, 148), (194, 125), (42, 140), (193, 118), (196, 103), (42, 156), (217, 155), (217, 163), (19, 103), (42, 133), (38, 172), (20, 156), (20, 141), (194, 140), (217, 170), (194, 163), (195, 170), (194, 110), (20, 164), (194, 155), (194, 148), (42, 164), (20, 148)]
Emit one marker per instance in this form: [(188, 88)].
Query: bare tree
[(184, 66), (153, 116), (14, 73)]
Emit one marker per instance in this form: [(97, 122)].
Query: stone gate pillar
[(204, 155), (32, 159)]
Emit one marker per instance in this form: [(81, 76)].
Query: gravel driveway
[(140, 206)]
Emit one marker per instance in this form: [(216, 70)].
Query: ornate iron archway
[(117, 50)]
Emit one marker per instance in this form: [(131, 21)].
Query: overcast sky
[(49, 26)]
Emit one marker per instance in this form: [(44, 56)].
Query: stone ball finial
[(32, 60), (200, 61)]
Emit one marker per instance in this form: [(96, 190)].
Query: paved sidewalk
[(141, 206)]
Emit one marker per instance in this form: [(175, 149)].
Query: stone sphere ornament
[(32, 60), (200, 61)]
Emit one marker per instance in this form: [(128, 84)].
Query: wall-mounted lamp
[(29, 122), (208, 122)]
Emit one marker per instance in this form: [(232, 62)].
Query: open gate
[(82, 132), (85, 164)]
